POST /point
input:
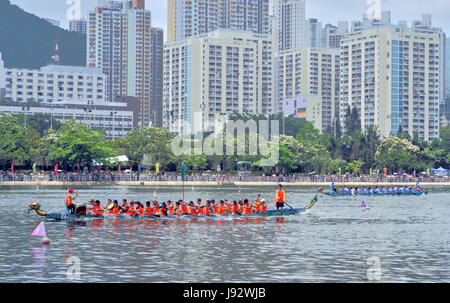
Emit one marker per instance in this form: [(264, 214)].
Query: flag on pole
[(39, 230), (118, 169), (385, 172), (428, 172), (371, 171), (12, 168), (131, 168), (157, 168), (55, 170), (34, 168)]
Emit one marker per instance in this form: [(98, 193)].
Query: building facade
[(119, 42), (116, 119), (289, 26), (55, 83), (78, 25), (2, 78), (308, 108), (157, 72), (216, 74), (392, 75), (310, 72), (186, 18)]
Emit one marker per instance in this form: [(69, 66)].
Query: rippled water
[(330, 243)]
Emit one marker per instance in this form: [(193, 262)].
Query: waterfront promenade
[(324, 181)]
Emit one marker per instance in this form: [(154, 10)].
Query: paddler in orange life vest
[(69, 200), (132, 209), (97, 208), (280, 198)]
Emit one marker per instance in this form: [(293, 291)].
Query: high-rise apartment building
[(119, 42), (289, 25), (188, 18), (392, 75), (213, 74), (78, 25), (157, 72), (310, 72), (313, 33), (2, 78)]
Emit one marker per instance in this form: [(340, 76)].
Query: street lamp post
[(25, 109)]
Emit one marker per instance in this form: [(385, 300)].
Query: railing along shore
[(173, 179)]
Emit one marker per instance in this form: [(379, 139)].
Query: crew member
[(69, 201), (280, 198)]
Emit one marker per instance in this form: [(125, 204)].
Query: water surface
[(330, 243)]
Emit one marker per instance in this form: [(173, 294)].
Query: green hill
[(27, 41)]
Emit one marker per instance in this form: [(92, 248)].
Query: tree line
[(302, 149)]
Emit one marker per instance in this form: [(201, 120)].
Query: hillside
[(27, 41)]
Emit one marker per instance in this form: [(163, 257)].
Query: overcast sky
[(327, 11)]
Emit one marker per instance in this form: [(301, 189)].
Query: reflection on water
[(330, 243)]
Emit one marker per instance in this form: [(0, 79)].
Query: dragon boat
[(35, 206), (376, 194)]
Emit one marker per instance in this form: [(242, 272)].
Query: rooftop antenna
[(55, 58)]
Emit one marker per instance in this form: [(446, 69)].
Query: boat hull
[(269, 213), (375, 194)]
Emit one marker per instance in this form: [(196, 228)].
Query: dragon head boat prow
[(37, 208)]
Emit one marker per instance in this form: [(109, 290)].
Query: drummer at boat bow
[(69, 200)]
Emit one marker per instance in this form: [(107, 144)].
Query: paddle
[(291, 208)]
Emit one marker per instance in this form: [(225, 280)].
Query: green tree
[(15, 142), (151, 143), (75, 144), (394, 153)]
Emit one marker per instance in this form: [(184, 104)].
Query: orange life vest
[(115, 210), (141, 211), (236, 209), (171, 210), (222, 210), (279, 198), (179, 211), (68, 200), (193, 211), (201, 210), (156, 211), (185, 209), (264, 208), (132, 211), (248, 209), (257, 208), (149, 211), (98, 210)]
